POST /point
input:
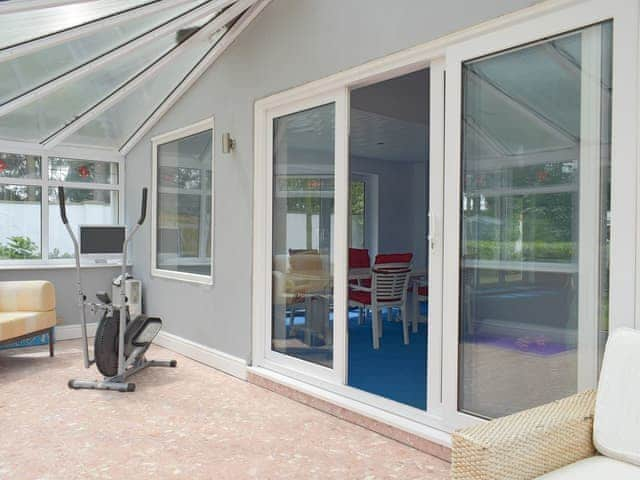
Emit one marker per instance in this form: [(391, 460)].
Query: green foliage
[(19, 248), (541, 251)]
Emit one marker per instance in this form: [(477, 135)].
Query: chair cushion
[(359, 258), (29, 296), (17, 324), (393, 258), (306, 262), (595, 468), (616, 425)]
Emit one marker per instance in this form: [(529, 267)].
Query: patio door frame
[(306, 375), (263, 250), (624, 153)]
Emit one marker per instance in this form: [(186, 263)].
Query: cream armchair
[(588, 436), (27, 309)]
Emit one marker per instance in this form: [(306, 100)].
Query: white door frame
[(623, 176), (263, 250), (332, 89)]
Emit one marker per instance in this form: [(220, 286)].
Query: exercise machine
[(120, 343)]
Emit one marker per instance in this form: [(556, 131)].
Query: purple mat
[(538, 344)]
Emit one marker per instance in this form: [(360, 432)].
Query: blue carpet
[(395, 371)]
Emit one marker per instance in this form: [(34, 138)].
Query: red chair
[(389, 282), (359, 258)]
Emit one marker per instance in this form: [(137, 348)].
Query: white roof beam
[(191, 78), (56, 38), (172, 26), (15, 6), (140, 77)]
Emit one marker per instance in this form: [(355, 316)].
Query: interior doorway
[(388, 288)]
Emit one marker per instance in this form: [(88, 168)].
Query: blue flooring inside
[(395, 371)]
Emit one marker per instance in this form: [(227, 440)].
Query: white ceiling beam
[(15, 6), (193, 76), (145, 74), (56, 38), (46, 88)]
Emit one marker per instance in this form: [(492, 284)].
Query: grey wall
[(291, 43), (64, 281)]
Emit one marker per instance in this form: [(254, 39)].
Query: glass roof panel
[(115, 126), (22, 74), (20, 27), (38, 120)]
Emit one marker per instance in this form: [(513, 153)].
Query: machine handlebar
[(143, 213), (63, 208)]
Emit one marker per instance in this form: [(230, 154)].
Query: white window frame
[(199, 127), (623, 167), (71, 153)]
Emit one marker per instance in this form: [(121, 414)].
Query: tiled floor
[(191, 422)]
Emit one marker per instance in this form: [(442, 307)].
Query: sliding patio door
[(533, 263), (308, 212)]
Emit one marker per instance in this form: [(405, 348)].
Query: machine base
[(118, 383)]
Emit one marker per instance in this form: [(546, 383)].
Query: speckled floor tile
[(191, 422)]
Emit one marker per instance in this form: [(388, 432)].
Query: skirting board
[(200, 353), (71, 332)]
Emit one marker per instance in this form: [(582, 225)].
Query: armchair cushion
[(617, 415), (18, 324), (527, 444), (595, 468), (31, 296)]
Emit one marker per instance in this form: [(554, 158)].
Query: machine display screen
[(96, 240)]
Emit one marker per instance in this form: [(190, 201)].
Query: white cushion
[(616, 427), (595, 468)]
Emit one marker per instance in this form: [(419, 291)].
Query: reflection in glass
[(19, 166), (183, 235), (20, 231), (82, 171), (303, 208), (358, 199), (535, 211), (86, 207)]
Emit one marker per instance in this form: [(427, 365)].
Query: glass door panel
[(303, 234), (535, 213)]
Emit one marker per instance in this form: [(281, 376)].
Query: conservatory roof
[(102, 72)]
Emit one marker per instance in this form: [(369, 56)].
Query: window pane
[(38, 120), (20, 232), (303, 208), (23, 73), (184, 227), (84, 207), (23, 26), (19, 166), (535, 212), (114, 127), (82, 171)]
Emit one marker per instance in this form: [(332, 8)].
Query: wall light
[(228, 143)]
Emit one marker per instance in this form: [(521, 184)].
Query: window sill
[(56, 266), (183, 277)]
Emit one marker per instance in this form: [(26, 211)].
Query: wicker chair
[(587, 436)]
